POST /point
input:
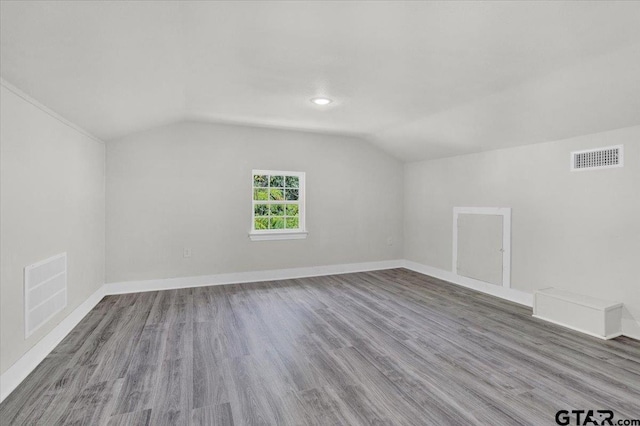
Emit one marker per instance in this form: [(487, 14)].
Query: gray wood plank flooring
[(388, 347)]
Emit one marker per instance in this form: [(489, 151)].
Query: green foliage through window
[(276, 194), (276, 210), (260, 194), (261, 209), (260, 181), (291, 194), (276, 181), (276, 222), (292, 181), (292, 210), (262, 223)]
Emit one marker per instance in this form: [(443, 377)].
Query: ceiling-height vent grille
[(599, 158), (45, 291)]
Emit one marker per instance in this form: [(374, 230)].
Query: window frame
[(280, 234)]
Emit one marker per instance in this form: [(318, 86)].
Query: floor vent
[(45, 291), (599, 158)]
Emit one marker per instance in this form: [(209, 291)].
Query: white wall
[(578, 231), (51, 201), (189, 185)]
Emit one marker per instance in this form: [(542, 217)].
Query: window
[(278, 205)]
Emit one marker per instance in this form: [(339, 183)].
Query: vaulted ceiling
[(419, 79)]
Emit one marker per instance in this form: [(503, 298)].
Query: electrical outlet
[(187, 252)]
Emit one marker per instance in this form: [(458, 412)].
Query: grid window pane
[(277, 209), (276, 222), (261, 210), (292, 181), (262, 223), (260, 180), (292, 210), (277, 181), (291, 194), (292, 223), (276, 194), (260, 194)]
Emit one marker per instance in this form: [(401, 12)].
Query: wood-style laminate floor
[(389, 347)]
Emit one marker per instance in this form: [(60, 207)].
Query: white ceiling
[(420, 79)]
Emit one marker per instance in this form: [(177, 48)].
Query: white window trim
[(280, 234)]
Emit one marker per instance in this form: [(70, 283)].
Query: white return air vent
[(599, 158), (45, 291)]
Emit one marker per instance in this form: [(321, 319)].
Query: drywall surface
[(577, 231), (52, 201), (188, 185)]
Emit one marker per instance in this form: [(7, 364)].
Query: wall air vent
[(599, 158), (45, 291)]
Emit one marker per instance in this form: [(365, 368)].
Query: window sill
[(274, 236)]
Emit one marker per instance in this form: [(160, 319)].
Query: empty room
[(320, 213)]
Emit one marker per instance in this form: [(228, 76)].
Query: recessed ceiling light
[(321, 101)]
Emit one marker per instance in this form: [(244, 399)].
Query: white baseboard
[(248, 277), (510, 294), (11, 378)]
